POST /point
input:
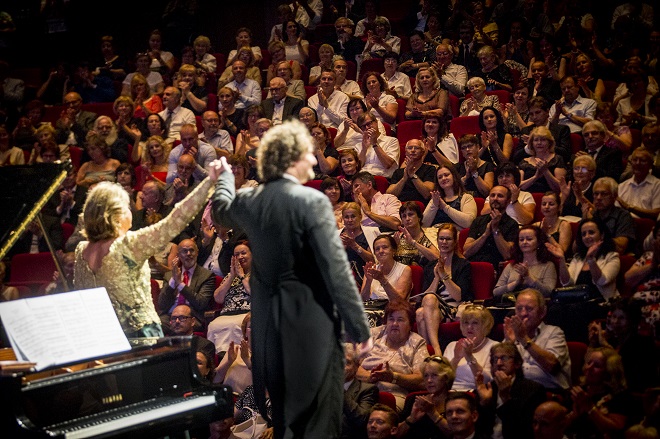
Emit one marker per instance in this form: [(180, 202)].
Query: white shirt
[(250, 92), (351, 87), (390, 146), (645, 194), (180, 116), (220, 139), (401, 84), (335, 113)]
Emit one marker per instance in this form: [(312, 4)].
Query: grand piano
[(151, 391)]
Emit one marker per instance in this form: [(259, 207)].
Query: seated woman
[(601, 403), (240, 167), (428, 98), (101, 167), (470, 356), (277, 50), (380, 40), (234, 296), (243, 38), (423, 414), (235, 368), (595, 263), (203, 57), (249, 139), (516, 114), (44, 134), (308, 116), (194, 97), (591, 86), (153, 158), (349, 134), (448, 283), (478, 99), (449, 202), (128, 126), (296, 47), (326, 54), (496, 76), (557, 229), (232, 117), (522, 205), (531, 265), (143, 67), (476, 174), (327, 157), (126, 178), (349, 164), (355, 243), (543, 169), (572, 193), (496, 143), (387, 279), (332, 189), (633, 110), (414, 247), (441, 145), (394, 362), (379, 103), (246, 55), (644, 279)]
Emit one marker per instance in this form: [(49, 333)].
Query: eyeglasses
[(366, 125), (186, 250), (504, 358), (180, 318)]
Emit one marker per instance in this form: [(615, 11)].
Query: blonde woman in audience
[(326, 54), (244, 38), (428, 98), (203, 57), (193, 96), (253, 72), (240, 167), (153, 155), (143, 67), (470, 355), (413, 246), (45, 133), (232, 117), (441, 145), (558, 229), (145, 102), (449, 285), (354, 240)]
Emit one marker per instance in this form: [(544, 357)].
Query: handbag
[(572, 294), (250, 429)]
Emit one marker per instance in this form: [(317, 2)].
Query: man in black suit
[(72, 127), (68, 202), (302, 286), (153, 208), (359, 398), (346, 44), (189, 284), (467, 49), (509, 401), (279, 106), (539, 115), (609, 161), (32, 240), (182, 322)]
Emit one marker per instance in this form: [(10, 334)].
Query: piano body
[(150, 391)]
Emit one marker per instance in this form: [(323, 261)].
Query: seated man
[(539, 111), (640, 194), (218, 138), (183, 182), (249, 90), (379, 210), (72, 127), (294, 87), (33, 241), (379, 154), (153, 207), (345, 43), (182, 322), (382, 423), (280, 106), (572, 109), (650, 141), (452, 76), (542, 347), (541, 84), (416, 180), (201, 152), (359, 396), (330, 104), (68, 202), (509, 401), (609, 162), (550, 421), (491, 235), (461, 416), (174, 115), (189, 284), (348, 86), (619, 221)]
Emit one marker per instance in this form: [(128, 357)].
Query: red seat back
[(408, 129), (381, 183), (459, 126), (483, 279), (32, 268), (417, 279), (576, 351), (538, 196)]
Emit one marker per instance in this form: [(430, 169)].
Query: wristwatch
[(475, 174), (414, 177)]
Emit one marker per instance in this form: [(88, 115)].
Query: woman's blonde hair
[(125, 100), (246, 49), (479, 313), (44, 128), (353, 206), (106, 205), (436, 80), (139, 79), (544, 133), (146, 157)]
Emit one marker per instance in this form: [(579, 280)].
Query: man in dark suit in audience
[(153, 208), (345, 43), (188, 284), (72, 126), (67, 203), (609, 161), (509, 401), (182, 322), (280, 107), (467, 49), (359, 397)]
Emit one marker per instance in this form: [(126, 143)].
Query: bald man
[(549, 421), (280, 106)]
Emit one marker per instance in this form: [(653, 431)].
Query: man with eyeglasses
[(508, 402), (294, 87), (201, 152), (212, 134), (182, 322), (279, 106), (346, 44), (379, 154), (74, 123), (188, 284), (452, 76), (572, 109), (609, 161)]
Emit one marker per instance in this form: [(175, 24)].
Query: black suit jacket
[(52, 228), (302, 292), (79, 197), (472, 64), (516, 414), (83, 123), (359, 398), (198, 292), (609, 163), (291, 108)]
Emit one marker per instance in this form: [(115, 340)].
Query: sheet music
[(63, 328)]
